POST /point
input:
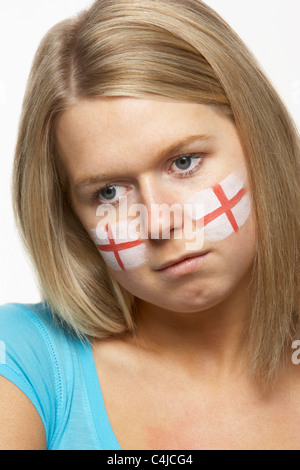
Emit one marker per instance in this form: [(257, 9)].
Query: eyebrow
[(166, 153)]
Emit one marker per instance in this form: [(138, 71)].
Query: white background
[(270, 28)]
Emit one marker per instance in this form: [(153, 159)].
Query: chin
[(188, 303)]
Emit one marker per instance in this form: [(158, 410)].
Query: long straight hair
[(171, 50)]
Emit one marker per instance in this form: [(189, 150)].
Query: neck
[(211, 340)]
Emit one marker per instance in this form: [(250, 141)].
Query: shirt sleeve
[(27, 359)]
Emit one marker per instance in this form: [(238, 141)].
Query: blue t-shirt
[(57, 372)]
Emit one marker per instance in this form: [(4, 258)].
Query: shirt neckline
[(105, 433)]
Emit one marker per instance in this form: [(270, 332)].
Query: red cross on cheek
[(115, 248), (226, 207)]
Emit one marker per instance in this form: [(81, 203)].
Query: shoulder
[(33, 327), (21, 426), (27, 351), (19, 316), (37, 355), (23, 382), (23, 319), (32, 339), (23, 331)]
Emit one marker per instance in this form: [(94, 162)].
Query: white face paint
[(217, 212), (119, 248), (226, 208)]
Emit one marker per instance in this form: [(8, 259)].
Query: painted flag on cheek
[(226, 206), (120, 250)]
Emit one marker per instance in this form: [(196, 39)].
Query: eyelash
[(183, 174)]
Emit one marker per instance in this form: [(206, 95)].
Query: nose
[(163, 211)]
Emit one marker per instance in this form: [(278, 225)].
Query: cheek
[(238, 250), (121, 250), (224, 208), (247, 239)]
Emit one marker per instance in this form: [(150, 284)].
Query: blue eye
[(110, 194), (185, 165)]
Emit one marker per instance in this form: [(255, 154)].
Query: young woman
[(154, 339)]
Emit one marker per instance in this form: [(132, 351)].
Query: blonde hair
[(172, 50)]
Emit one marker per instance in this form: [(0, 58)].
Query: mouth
[(183, 265)]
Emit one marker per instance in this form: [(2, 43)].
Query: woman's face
[(124, 154)]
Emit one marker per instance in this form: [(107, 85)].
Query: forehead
[(132, 130)]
